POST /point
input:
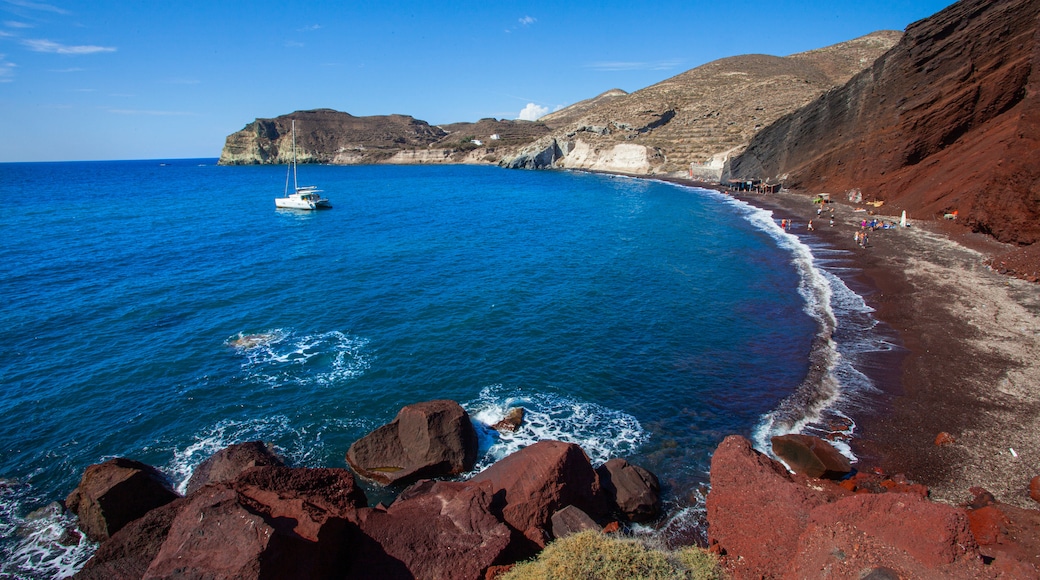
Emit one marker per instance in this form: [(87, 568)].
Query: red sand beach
[(971, 365)]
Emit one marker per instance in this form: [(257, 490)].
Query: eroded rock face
[(769, 523), (950, 118), (532, 484), (428, 439), (114, 493), (747, 486), (230, 462), (272, 522), (636, 491), (129, 552), (811, 456), (433, 530)]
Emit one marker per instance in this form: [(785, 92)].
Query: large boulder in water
[(435, 529), (115, 493), (428, 439), (271, 522), (636, 491), (811, 456), (230, 462), (539, 480)]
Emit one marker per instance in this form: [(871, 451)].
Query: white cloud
[(37, 6), (532, 112), (43, 45), (309, 28), (528, 20), (16, 24), (6, 69)]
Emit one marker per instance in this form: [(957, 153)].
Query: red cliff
[(948, 120)]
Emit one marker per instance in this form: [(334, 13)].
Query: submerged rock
[(811, 456)]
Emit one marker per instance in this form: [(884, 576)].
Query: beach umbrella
[(902, 220)]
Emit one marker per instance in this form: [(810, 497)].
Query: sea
[(161, 310)]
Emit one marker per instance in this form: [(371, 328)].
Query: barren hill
[(700, 116), (948, 121), (327, 136)]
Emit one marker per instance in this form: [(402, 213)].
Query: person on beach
[(809, 227)]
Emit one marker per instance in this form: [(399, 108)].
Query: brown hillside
[(716, 108), (327, 136), (948, 120)]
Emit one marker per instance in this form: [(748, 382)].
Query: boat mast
[(296, 186)]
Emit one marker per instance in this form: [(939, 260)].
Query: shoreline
[(967, 355)]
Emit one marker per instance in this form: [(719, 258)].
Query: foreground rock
[(769, 523), (114, 493), (534, 483), (436, 530), (428, 439), (636, 491), (228, 463), (272, 522)]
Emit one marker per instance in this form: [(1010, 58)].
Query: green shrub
[(595, 556)]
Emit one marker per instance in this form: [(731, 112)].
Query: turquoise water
[(638, 318)]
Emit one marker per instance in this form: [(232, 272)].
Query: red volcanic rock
[(571, 520), (129, 552), (1034, 488), (950, 117), (635, 490), (1008, 536), (424, 440), (757, 509), (811, 456), (538, 480), (272, 522), (230, 462), (909, 535), (436, 530), (944, 438), (116, 492), (333, 491)]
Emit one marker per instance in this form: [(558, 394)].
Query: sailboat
[(305, 197)]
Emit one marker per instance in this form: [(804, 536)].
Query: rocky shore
[(947, 483)]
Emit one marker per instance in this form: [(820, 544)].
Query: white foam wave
[(817, 406), (281, 357), (602, 432), (298, 445), (42, 544)]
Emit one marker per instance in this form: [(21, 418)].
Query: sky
[(150, 79)]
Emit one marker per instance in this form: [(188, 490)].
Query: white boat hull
[(302, 201)]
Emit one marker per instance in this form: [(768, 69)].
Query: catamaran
[(305, 197)]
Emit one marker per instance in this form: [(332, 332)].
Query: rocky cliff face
[(947, 121), (692, 122), (328, 136)]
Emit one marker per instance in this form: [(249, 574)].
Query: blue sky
[(144, 79)]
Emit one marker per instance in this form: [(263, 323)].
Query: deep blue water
[(638, 318)]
